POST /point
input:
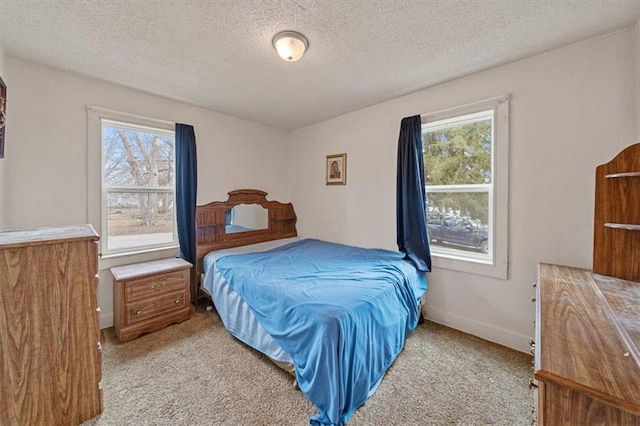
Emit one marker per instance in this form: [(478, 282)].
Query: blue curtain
[(411, 214), (186, 189)]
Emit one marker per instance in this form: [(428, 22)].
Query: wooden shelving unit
[(616, 245)]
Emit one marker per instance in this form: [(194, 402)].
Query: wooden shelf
[(621, 175), (616, 240), (627, 226)]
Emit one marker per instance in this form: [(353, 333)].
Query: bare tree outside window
[(139, 185)]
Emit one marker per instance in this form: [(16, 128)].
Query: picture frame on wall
[(336, 169), (3, 116)]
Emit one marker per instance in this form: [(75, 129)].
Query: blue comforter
[(342, 313)]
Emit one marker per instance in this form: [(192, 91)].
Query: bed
[(335, 316)]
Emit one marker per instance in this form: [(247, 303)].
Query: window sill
[(118, 259), (470, 266)]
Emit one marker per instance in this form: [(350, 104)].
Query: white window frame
[(97, 193), (498, 193)]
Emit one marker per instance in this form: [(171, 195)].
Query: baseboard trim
[(484, 331), (106, 320)]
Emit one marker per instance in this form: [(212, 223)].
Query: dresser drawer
[(155, 285), (145, 309)]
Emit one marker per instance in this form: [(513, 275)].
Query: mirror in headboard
[(246, 217), (276, 220)]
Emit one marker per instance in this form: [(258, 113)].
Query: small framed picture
[(337, 169)]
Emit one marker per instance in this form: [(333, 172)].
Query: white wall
[(4, 78), (46, 164), (571, 110)]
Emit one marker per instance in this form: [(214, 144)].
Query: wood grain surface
[(149, 296), (144, 269), (616, 251), (211, 232), (50, 355), (584, 355)]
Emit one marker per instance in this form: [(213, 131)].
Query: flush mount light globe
[(290, 45)]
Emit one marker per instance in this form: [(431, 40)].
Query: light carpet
[(196, 373)]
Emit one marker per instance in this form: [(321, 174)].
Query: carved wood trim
[(616, 243), (211, 231)]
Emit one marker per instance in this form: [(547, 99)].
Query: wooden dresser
[(149, 296), (50, 353), (587, 363)]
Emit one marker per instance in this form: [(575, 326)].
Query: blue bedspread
[(342, 313)]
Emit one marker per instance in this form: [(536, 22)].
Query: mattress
[(311, 297), (235, 314)]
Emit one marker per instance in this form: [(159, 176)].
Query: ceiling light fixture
[(290, 45)]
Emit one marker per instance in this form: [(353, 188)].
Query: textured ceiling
[(218, 54)]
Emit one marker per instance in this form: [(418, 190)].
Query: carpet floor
[(196, 373)]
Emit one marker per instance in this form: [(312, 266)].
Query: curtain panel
[(186, 190), (411, 211)]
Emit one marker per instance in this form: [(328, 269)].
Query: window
[(131, 203), (138, 188), (466, 169)]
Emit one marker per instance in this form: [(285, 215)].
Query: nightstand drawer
[(145, 309), (155, 285), (149, 296)]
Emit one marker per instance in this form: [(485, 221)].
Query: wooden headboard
[(211, 227)]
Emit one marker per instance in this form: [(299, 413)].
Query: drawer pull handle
[(176, 301), (532, 342), (532, 384), (161, 284), (533, 300), (138, 312)]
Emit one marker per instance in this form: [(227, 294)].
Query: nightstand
[(149, 296)]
